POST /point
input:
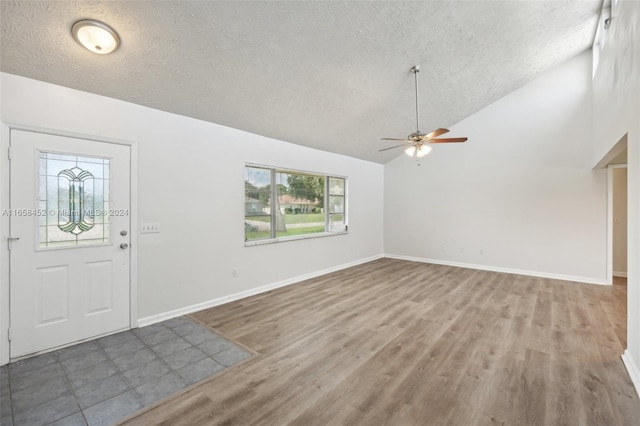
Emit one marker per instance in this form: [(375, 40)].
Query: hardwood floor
[(393, 342)]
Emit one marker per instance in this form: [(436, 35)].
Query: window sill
[(296, 238)]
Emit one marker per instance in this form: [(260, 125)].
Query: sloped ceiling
[(328, 75)]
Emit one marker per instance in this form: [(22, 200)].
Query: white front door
[(69, 254)]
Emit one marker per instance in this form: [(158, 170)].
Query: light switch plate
[(150, 228)]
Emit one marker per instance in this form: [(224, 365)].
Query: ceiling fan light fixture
[(95, 36), (423, 150), (418, 150)]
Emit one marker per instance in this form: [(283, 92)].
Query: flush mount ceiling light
[(95, 36)]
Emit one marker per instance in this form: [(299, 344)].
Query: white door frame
[(5, 189), (610, 219)]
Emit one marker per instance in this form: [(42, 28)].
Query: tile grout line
[(119, 371), (162, 359), (122, 372), (100, 346), (13, 411), (73, 392)]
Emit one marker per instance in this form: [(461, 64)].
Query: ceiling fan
[(417, 142)]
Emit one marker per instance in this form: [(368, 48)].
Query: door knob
[(124, 245)]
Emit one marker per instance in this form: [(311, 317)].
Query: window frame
[(273, 171)]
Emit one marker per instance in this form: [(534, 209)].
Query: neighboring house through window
[(285, 204)]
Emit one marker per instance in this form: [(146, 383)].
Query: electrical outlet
[(234, 273), (150, 228)]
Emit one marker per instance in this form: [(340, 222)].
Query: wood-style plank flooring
[(393, 342)]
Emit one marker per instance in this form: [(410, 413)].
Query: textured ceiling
[(329, 75)]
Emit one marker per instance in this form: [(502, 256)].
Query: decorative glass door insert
[(73, 201)]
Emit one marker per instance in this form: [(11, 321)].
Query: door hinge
[(10, 334), (9, 153), (10, 240)]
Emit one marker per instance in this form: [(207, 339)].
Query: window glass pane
[(257, 204), (300, 204), (55, 234), (336, 186), (95, 233), (73, 191), (42, 187), (295, 206), (54, 167), (336, 204), (336, 222), (42, 213), (96, 160), (96, 170)]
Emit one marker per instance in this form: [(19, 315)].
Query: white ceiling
[(329, 75)]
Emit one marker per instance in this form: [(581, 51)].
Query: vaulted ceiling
[(324, 74)]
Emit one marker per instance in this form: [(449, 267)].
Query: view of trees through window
[(282, 203)]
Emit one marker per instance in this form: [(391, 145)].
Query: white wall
[(619, 175), (616, 109), (191, 180), (520, 195)]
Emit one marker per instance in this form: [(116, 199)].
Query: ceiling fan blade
[(447, 140), (397, 146), (393, 139), (437, 133)]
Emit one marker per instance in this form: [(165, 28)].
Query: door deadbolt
[(123, 233)]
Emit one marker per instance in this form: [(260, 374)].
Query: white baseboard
[(632, 369), (586, 280), (619, 274), (247, 293), (262, 289)]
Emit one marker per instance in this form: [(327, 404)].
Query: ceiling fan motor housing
[(417, 136)]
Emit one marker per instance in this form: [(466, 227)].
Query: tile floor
[(102, 381)]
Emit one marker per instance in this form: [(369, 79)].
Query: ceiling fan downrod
[(415, 70)]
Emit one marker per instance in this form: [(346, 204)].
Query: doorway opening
[(617, 218)]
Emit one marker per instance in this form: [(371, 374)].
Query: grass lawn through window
[(292, 218), (301, 224)]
